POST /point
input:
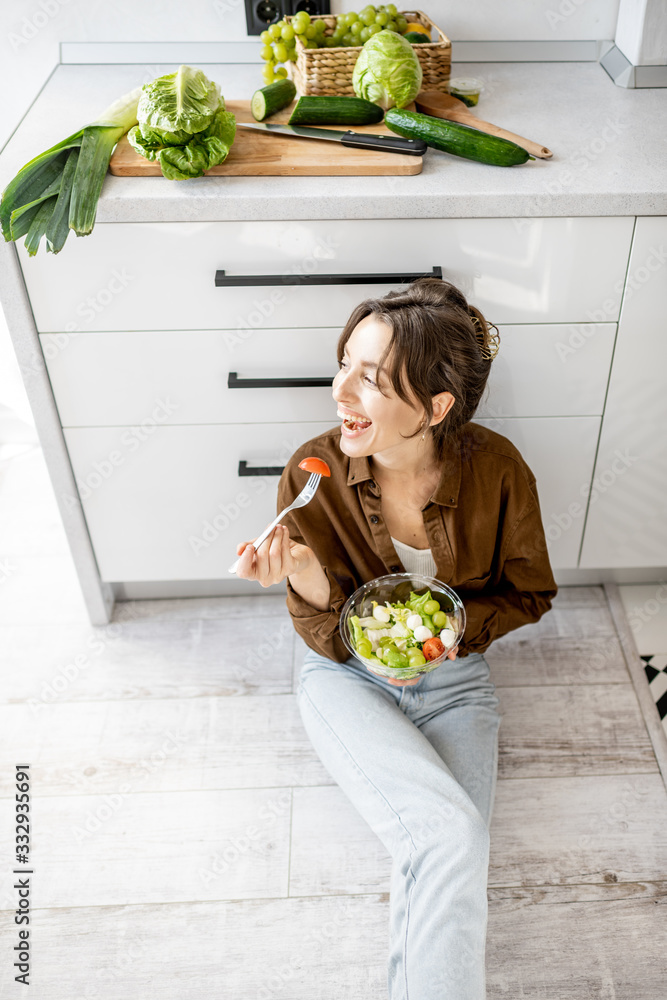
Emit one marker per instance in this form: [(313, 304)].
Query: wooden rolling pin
[(432, 102)]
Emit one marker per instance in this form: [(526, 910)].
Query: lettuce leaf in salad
[(416, 603), (357, 631)]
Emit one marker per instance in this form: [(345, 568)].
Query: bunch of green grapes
[(355, 29), (279, 39), (279, 42)]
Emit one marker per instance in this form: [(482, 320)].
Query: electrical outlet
[(259, 13)]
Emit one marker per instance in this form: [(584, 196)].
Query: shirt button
[(395, 569), (374, 519), (372, 484)]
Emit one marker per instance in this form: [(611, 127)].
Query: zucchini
[(416, 37), (451, 137), (273, 98), (336, 110)]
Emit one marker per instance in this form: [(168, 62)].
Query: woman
[(414, 487)]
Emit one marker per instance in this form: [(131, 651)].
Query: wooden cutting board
[(254, 154)]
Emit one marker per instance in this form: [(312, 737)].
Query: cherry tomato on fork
[(315, 465)]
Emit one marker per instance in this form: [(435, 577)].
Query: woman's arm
[(525, 592), (312, 584)]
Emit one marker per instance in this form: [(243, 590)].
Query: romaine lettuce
[(183, 124)]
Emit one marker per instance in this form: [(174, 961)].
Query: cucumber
[(273, 98), (451, 137), (415, 37), (327, 110)]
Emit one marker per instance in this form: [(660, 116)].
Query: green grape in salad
[(403, 636)]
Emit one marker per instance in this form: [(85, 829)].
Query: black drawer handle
[(234, 382), (260, 470), (226, 280)]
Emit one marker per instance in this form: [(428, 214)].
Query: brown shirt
[(483, 525)]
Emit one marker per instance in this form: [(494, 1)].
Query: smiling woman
[(411, 473)]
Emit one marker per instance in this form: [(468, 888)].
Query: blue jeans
[(419, 764)]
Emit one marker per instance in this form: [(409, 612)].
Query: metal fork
[(304, 497)]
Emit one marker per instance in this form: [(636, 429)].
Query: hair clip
[(489, 350)]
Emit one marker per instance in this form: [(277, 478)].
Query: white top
[(419, 561)]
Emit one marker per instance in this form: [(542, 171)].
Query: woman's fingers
[(452, 653), (246, 551)]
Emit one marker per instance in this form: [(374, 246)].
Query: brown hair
[(439, 343)]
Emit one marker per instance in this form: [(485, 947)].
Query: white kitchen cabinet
[(560, 451), (143, 351), (111, 379), (627, 517), (160, 276), (168, 503)]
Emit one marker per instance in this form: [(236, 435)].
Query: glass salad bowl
[(379, 624)]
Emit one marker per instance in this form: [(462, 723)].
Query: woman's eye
[(369, 380)]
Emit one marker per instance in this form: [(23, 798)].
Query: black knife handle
[(384, 143)]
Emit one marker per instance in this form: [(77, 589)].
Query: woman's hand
[(451, 655), (277, 558)]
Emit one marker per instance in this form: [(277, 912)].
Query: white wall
[(31, 30)]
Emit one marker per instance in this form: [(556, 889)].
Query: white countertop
[(609, 145)]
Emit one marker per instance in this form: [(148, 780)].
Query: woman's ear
[(442, 404)]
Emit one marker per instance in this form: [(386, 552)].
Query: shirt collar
[(447, 491)]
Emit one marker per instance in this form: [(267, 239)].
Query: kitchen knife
[(361, 140)]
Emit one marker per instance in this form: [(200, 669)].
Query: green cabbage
[(183, 124), (387, 71)]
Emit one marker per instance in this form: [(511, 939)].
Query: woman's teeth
[(354, 423)]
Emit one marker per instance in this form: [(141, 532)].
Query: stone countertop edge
[(608, 160)]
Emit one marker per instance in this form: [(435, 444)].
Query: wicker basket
[(329, 71)]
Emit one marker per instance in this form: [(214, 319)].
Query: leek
[(59, 189)]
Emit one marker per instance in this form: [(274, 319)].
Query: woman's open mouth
[(353, 424)]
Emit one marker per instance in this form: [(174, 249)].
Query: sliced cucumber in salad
[(403, 635)]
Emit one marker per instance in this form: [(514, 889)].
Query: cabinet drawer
[(161, 276), (170, 505), (550, 370), (110, 379), (561, 453)]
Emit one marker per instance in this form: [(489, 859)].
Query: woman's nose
[(338, 382)]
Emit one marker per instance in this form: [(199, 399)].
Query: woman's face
[(381, 419)]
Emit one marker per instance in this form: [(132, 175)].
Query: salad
[(404, 634)]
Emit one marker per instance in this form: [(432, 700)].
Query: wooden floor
[(187, 842)]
